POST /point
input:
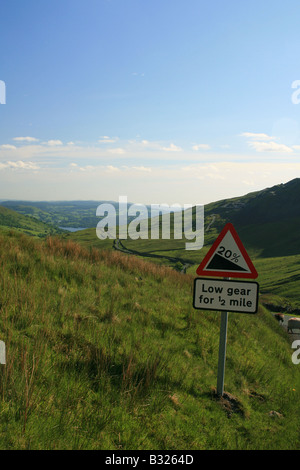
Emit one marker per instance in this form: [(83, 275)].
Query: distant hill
[(268, 221), (10, 219), (59, 213), (75, 214)]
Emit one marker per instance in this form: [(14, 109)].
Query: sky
[(162, 101)]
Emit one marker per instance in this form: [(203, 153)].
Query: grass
[(168, 248), (104, 351), (278, 276)]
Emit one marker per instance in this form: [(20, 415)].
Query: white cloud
[(265, 143), (25, 139), (201, 147), (270, 147), (19, 165), (8, 147), (172, 148), (23, 165), (117, 151), (143, 154), (198, 184), (86, 168), (106, 140), (257, 136), (54, 143), (75, 166), (112, 168), (147, 144), (142, 168)]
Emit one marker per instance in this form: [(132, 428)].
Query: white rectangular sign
[(229, 296)]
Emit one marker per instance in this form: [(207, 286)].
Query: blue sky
[(177, 101)]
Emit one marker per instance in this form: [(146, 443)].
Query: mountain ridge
[(268, 220)]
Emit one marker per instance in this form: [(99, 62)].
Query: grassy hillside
[(29, 225), (105, 351), (271, 239), (268, 221)]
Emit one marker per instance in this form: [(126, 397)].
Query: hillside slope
[(13, 220), (268, 221), (105, 351)]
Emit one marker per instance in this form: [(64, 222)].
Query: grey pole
[(222, 353)]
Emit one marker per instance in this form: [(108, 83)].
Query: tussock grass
[(104, 351)]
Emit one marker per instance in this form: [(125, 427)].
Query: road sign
[(227, 257), (227, 296)]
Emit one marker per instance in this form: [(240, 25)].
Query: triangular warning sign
[(227, 257)]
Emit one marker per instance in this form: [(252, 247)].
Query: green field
[(277, 275), (104, 351)]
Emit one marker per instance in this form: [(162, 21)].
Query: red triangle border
[(201, 269)]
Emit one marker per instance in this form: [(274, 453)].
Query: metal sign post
[(222, 353)]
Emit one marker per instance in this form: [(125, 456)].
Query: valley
[(105, 349)]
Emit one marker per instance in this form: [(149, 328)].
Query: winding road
[(118, 245)]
